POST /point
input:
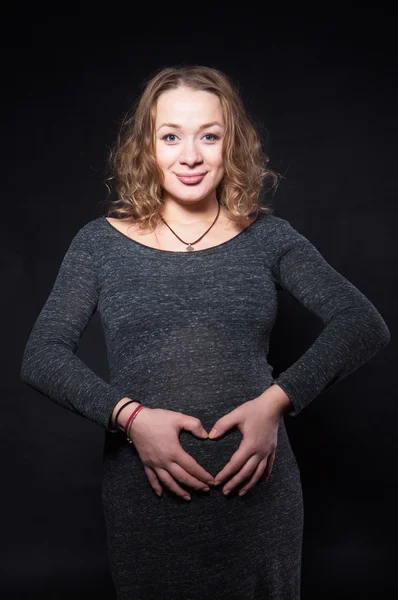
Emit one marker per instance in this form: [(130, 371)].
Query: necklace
[(190, 247)]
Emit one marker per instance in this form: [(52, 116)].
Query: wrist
[(124, 413), (277, 399)]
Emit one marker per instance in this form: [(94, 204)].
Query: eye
[(215, 137), (168, 135)]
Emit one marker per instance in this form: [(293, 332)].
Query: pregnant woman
[(185, 278)]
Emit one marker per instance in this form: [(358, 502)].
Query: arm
[(354, 330), (49, 363)]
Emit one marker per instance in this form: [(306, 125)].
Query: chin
[(189, 194)]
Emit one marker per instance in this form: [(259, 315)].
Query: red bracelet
[(130, 417)]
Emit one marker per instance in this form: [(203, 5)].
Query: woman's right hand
[(155, 434)]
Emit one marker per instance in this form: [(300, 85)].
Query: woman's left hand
[(258, 421)]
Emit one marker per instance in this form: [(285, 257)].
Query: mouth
[(191, 179)]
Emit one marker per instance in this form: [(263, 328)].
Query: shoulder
[(279, 232), (85, 236), (285, 244), (92, 227)]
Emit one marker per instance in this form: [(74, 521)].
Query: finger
[(268, 468), (153, 480), (185, 478), (242, 475), (223, 425), (189, 464), (192, 424), (168, 481), (236, 462), (254, 478)]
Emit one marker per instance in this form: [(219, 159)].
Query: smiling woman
[(192, 164), (187, 143), (187, 331)]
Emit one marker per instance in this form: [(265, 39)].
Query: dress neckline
[(215, 248)]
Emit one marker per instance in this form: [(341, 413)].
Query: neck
[(190, 213)]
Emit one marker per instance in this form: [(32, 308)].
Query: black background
[(325, 90)]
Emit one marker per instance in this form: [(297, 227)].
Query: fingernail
[(242, 493), (218, 482), (210, 482), (187, 497), (226, 492), (206, 489), (159, 493), (212, 433)]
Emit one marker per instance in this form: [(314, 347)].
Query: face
[(189, 132)]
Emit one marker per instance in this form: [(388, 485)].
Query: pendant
[(189, 248)]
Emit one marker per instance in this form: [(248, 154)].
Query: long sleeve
[(49, 363), (354, 330)]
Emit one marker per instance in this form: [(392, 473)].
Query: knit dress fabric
[(189, 332)]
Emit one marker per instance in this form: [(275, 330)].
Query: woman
[(185, 278)]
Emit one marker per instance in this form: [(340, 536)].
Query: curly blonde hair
[(136, 176)]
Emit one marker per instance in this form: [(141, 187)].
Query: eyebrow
[(176, 126)]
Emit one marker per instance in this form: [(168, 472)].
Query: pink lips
[(191, 179)]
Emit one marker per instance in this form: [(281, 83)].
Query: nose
[(190, 154)]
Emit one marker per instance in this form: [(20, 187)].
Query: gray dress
[(189, 332)]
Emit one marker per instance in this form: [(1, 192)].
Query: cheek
[(164, 156), (215, 158)]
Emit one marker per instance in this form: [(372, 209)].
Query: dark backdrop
[(325, 89)]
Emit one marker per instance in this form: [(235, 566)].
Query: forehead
[(183, 104)]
